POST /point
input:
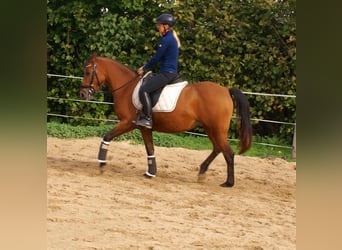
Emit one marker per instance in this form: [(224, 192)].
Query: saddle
[(164, 99)]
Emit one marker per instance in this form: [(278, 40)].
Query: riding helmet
[(166, 19)]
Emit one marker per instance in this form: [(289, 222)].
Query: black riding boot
[(146, 119)]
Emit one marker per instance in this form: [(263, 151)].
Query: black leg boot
[(146, 120), (152, 167)]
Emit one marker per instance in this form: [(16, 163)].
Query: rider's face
[(162, 28)]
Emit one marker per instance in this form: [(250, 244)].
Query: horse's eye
[(87, 73)]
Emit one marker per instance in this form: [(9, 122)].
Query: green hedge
[(246, 44)]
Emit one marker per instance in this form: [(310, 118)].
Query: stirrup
[(144, 123)]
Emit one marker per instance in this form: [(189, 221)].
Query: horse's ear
[(91, 58)]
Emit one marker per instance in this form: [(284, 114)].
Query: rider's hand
[(140, 71)]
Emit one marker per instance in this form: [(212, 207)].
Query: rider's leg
[(146, 119)]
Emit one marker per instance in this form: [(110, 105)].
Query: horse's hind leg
[(205, 164), (221, 144), (229, 157), (213, 135)]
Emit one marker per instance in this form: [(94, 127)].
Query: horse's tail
[(244, 126)]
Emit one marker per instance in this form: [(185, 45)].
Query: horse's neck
[(117, 74), (121, 80)]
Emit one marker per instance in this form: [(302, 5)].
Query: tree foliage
[(236, 43)]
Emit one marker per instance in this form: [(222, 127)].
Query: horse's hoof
[(201, 177), (226, 184), (102, 167)]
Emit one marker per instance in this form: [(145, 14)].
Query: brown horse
[(205, 104)]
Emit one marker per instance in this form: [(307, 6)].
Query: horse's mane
[(110, 59), (129, 68)]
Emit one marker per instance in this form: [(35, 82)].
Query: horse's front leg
[(151, 159), (121, 128)]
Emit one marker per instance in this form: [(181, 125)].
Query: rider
[(167, 56)]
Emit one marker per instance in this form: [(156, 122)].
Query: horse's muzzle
[(87, 92), (84, 96)]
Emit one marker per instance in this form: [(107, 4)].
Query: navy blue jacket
[(166, 54)]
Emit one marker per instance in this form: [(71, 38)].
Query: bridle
[(91, 88)]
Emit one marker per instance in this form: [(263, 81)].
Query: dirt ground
[(120, 209)]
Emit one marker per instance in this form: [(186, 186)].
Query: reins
[(94, 74), (127, 83)]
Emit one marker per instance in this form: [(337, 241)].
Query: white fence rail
[(198, 134)]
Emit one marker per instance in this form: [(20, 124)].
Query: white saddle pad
[(167, 100)]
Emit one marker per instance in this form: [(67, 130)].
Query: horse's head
[(92, 79)]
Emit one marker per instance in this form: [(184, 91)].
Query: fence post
[(294, 143)]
